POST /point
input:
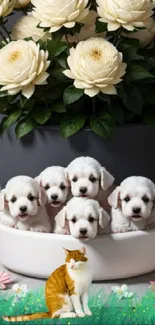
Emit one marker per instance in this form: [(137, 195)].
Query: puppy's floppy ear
[(113, 198), (67, 176), (61, 217), (38, 180), (104, 218), (2, 200), (42, 197), (106, 179)]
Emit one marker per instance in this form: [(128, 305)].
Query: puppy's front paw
[(39, 228), (150, 226)]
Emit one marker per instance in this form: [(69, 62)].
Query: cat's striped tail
[(24, 318)]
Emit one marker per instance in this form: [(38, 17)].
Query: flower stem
[(94, 105), (117, 35)]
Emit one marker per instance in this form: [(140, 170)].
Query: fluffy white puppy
[(89, 179), (22, 202), (132, 204), (84, 216), (54, 180)]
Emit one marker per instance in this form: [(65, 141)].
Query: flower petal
[(124, 287), (28, 91), (15, 287), (91, 92)]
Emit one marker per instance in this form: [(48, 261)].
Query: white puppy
[(84, 216), (23, 203), (89, 179), (54, 180), (132, 204)]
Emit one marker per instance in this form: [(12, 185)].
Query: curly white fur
[(89, 179), (132, 204), (83, 216), (22, 205), (55, 182)]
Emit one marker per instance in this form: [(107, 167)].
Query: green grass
[(107, 309)]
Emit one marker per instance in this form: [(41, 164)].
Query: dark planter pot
[(129, 152)]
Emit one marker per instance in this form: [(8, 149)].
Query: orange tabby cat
[(66, 289)]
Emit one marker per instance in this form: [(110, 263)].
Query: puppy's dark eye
[(62, 187), (13, 199), (74, 219), (31, 197), (92, 179), (47, 187), (74, 179), (145, 199), (127, 198), (91, 219)]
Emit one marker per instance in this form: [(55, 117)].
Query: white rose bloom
[(58, 13), (95, 65), (26, 27), (22, 3), (6, 7), (88, 30), (144, 36), (126, 13), (23, 65)]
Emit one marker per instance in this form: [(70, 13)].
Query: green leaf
[(100, 27), (56, 47), (11, 119), (149, 118), (117, 113), (24, 127), (137, 72), (72, 94), (103, 125), (57, 36), (57, 74), (58, 107), (105, 98), (62, 60), (72, 125), (129, 48), (42, 116), (148, 93), (132, 98)]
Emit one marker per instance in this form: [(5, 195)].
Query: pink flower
[(5, 278)]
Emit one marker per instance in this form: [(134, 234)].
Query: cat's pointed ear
[(60, 218), (66, 251), (83, 250)]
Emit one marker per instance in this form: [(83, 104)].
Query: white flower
[(145, 36), (96, 65), (126, 13), (6, 7), (88, 30), (122, 292), (20, 291), (58, 13), (26, 27), (23, 65), (22, 3)]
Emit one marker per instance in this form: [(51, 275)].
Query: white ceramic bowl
[(110, 256)]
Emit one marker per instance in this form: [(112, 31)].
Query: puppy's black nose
[(136, 210), (83, 231), (23, 208), (54, 197), (83, 190)]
